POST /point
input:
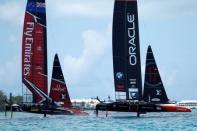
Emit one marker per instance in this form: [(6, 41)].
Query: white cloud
[(169, 78), (94, 45), (12, 12), (151, 9), (166, 9), (87, 8), (12, 39)]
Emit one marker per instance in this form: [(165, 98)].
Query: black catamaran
[(127, 68)]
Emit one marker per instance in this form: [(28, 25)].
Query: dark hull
[(139, 107), (53, 111), (45, 110)]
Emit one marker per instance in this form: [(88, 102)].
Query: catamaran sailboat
[(127, 68), (34, 67)]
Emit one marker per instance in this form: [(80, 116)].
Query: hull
[(76, 111), (41, 109), (174, 108), (140, 107)]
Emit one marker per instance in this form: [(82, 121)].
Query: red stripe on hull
[(169, 108)]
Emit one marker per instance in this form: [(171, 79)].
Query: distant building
[(88, 104), (188, 103)]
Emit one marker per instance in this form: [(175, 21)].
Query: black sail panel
[(154, 91), (57, 71), (126, 51), (118, 43), (58, 91)]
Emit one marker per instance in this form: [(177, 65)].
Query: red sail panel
[(58, 91), (34, 49), (40, 79)]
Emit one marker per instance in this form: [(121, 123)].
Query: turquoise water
[(114, 122)]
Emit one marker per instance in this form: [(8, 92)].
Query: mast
[(34, 51), (58, 91), (126, 51), (154, 91)]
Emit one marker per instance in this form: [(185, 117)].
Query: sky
[(80, 32)]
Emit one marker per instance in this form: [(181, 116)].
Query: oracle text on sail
[(131, 39)]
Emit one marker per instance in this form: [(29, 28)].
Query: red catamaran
[(127, 68), (34, 67)]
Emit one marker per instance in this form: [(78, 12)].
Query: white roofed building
[(188, 103), (89, 104)]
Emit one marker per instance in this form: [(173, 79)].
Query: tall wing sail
[(126, 51), (58, 91), (34, 51), (154, 91)]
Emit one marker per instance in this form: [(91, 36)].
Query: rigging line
[(52, 78), (35, 19)]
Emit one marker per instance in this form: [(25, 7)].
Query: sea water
[(114, 122)]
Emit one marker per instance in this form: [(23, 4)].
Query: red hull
[(174, 108)]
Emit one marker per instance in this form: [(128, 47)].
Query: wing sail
[(34, 51), (126, 51)]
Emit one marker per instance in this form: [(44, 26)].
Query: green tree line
[(4, 98)]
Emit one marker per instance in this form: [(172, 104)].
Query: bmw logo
[(119, 75)]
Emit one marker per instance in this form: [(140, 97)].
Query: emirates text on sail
[(131, 39), (29, 40)]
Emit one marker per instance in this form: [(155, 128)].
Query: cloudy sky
[(80, 32)]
